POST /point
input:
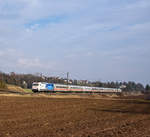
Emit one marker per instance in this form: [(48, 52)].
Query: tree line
[(26, 80)]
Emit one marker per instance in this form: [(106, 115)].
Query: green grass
[(28, 90)]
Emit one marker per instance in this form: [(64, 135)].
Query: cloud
[(27, 63)]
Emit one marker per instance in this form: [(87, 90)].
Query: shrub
[(3, 84)]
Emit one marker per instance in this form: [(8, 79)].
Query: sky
[(104, 40)]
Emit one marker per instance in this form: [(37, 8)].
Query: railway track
[(2, 91)]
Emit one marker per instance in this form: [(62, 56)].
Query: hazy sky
[(92, 39)]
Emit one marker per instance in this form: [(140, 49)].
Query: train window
[(61, 87), (73, 87)]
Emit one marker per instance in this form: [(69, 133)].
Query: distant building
[(123, 86), (24, 84), (83, 82)]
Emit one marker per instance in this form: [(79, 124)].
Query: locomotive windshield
[(35, 84)]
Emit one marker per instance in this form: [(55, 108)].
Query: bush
[(3, 84)]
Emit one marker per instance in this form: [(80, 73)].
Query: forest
[(26, 80)]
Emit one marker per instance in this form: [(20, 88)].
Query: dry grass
[(17, 88)]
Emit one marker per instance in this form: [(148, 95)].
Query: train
[(51, 87)]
